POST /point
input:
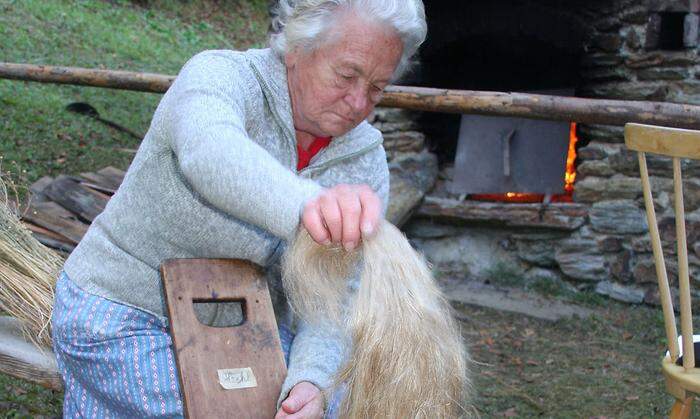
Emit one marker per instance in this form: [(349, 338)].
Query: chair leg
[(681, 409)]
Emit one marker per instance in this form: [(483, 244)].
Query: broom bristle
[(28, 272)]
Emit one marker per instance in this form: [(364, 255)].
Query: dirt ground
[(605, 366)]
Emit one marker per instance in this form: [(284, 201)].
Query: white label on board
[(235, 378)]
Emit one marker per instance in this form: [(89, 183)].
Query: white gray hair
[(301, 23)]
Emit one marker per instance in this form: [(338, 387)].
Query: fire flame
[(569, 179)]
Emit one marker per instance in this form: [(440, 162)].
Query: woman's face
[(336, 86)]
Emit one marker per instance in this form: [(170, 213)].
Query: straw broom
[(28, 272)]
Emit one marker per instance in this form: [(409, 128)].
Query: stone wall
[(600, 241)]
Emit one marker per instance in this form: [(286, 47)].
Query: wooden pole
[(558, 108), (125, 80)]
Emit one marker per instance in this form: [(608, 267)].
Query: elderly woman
[(243, 149)]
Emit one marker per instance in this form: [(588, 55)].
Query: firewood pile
[(60, 210)]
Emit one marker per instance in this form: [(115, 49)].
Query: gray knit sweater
[(215, 177)]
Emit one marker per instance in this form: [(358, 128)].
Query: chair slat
[(683, 279), (661, 275), (674, 142)]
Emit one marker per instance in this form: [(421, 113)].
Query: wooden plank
[(70, 194), (53, 217), (21, 359), (106, 180), (224, 372), (37, 189), (556, 216), (672, 142)]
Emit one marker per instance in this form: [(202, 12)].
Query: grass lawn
[(38, 136)]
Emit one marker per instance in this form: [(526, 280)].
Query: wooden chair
[(682, 381)]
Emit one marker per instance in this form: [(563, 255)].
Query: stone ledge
[(555, 216)]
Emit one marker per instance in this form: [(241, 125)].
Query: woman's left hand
[(305, 401)]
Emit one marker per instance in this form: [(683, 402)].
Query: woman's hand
[(342, 214), (305, 401)]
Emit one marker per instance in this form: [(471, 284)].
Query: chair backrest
[(677, 144)]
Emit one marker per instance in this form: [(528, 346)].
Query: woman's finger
[(312, 221), (300, 395), (371, 211), (311, 410), (351, 209), (331, 215)]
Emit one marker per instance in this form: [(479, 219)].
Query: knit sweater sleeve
[(204, 113)]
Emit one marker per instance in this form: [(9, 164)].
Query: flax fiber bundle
[(28, 273), (407, 359)]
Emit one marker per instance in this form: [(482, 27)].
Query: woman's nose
[(357, 99)]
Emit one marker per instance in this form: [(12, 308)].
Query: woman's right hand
[(343, 214)]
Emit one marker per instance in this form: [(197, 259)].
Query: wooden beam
[(554, 216), (556, 108), (125, 80)]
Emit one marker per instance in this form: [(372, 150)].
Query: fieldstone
[(663, 74), (601, 59), (658, 165), (594, 189), (632, 40), (644, 270), (662, 202), (392, 114), (652, 297), (646, 60), (641, 243), (620, 266), (628, 90), (537, 252), (608, 24), (690, 32), (404, 141), (594, 168), (617, 217), (579, 258), (625, 162), (597, 150), (389, 127), (608, 42), (471, 254), (536, 273), (659, 184), (602, 75), (601, 133), (636, 15), (609, 244), (684, 92), (691, 168), (624, 293), (667, 231), (691, 194), (428, 229), (412, 175)]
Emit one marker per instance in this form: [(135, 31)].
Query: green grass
[(505, 274), (37, 136)]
